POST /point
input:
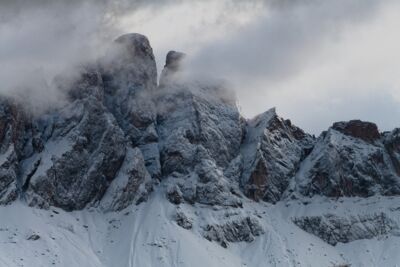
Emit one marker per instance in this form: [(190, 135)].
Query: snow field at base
[(147, 235)]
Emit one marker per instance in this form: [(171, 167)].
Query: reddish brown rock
[(366, 131)]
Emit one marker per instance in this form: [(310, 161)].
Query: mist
[(316, 61)]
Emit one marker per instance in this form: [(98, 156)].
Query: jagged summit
[(173, 64), (130, 63), (186, 132), (174, 59), (195, 163), (136, 45), (366, 131)]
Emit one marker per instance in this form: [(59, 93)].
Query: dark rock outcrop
[(243, 229), (334, 229), (71, 156), (132, 183), (183, 221), (83, 149), (366, 131), (272, 152), (347, 165), (16, 141), (173, 65), (391, 141)]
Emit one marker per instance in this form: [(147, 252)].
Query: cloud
[(316, 61), (43, 39)]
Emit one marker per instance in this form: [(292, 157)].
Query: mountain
[(131, 172)]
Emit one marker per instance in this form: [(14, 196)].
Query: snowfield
[(148, 235)]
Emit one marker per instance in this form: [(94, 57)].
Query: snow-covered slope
[(148, 235), (128, 173)]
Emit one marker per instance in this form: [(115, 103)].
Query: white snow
[(147, 235)]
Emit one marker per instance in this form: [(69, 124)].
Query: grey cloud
[(282, 41)]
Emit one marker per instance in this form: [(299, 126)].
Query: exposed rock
[(81, 156), (172, 67), (215, 192), (343, 165), (334, 229), (174, 195), (200, 132), (87, 144), (272, 151), (392, 145), (117, 132), (130, 62), (15, 133), (90, 83), (183, 221), (243, 229), (366, 131), (193, 117), (130, 77), (131, 185), (34, 237)]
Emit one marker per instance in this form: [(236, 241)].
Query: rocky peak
[(117, 136), (174, 60), (272, 150), (343, 163), (366, 131), (89, 83), (136, 45), (172, 66), (130, 63)]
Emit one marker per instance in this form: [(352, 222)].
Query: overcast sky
[(317, 61)]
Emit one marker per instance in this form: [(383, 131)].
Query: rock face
[(120, 134), (243, 229), (101, 141), (172, 67), (130, 77), (200, 132), (348, 165), (391, 141), (366, 131), (132, 183), (13, 124), (334, 229), (83, 148), (272, 152)]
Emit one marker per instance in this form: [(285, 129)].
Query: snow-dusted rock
[(183, 220), (272, 151), (132, 183), (237, 230), (200, 132), (391, 141), (366, 131), (334, 229), (130, 77), (180, 160), (15, 132), (80, 149), (130, 63), (348, 163), (172, 68), (83, 151), (192, 115)]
